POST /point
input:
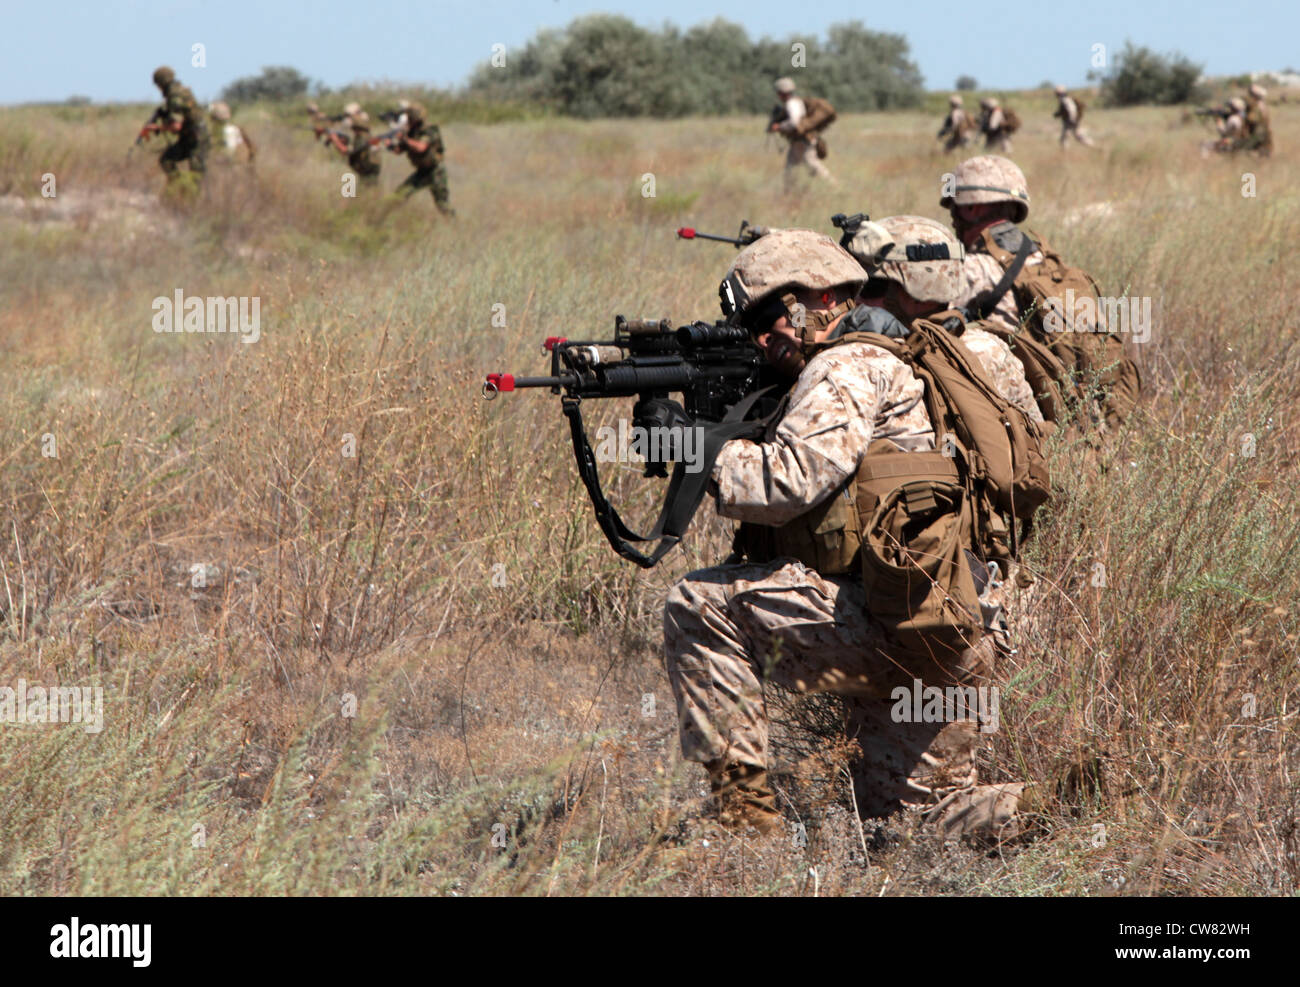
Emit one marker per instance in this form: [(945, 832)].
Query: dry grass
[(519, 707)]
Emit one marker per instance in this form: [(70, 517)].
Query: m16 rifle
[(747, 235), (723, 379), (1221, 112)]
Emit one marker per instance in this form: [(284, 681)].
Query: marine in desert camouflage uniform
[(363, 156), (958, 126), (993, 125), (935, 298), (1257, 130), (230, 136), (184, 118), (1067, 108), (801, 150), (985, 191), (422, 142), (805, 622)]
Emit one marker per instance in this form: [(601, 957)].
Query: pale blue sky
[(107, 50)]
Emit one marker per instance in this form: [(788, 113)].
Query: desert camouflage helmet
[(1059, 90), (403, 104), (1256, 90), (415, 113), (784, 260), (1238, 104), (352, 109), (989, 178), (920, 254), (220, 111), (784, 85), (163, 76), (359, 120), (989, 103), (954, 100)]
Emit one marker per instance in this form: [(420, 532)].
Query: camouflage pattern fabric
[(845, 398), (192, 142), (1002, 367), (731, 629), (430, 172), (1068, 111), (993, 125), (802, 152), (958, 127), (363, 157), (980, 273)]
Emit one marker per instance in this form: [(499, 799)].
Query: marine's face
[(971, 220), (782, 347), (780, 338)]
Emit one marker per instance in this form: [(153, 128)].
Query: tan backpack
[(1010, 121), (920, 514), (1091, 359), (820, 115)]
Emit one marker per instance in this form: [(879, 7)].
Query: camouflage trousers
[(958, 140), (1078, 133), (805, 153), (191, 149), (731, 629), (435, 180)]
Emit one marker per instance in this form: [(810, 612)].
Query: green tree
[(1140, 75), (275, 82)]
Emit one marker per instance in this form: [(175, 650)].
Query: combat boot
[(988, 815), (744, 798)]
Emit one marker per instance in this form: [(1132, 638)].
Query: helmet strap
[(809, 323)]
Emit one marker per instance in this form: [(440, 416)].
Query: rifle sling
[(685, 490), (986, 303)]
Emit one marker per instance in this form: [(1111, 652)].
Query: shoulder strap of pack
[(981, 306)]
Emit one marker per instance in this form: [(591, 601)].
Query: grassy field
[(419, 669)]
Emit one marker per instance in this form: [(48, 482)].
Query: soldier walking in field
[(801, 124), (179, 114), (958, 126), (997, 125), (230, 136), (1070, 112), (422, 143)]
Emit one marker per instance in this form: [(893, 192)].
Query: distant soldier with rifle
[(181, 115), (1013, 278), (997, 125), (1230, 122), (1257, 133), (363, 158), (421, 141), (231, 136), (1070, 112), (801, 123), (958, 126)]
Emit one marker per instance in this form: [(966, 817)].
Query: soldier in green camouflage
[(180, 114), (363, 156), (422, 143)]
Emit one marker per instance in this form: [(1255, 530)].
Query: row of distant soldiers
[(997, 124), (1243, 123), (410, 133), (180, 117)]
